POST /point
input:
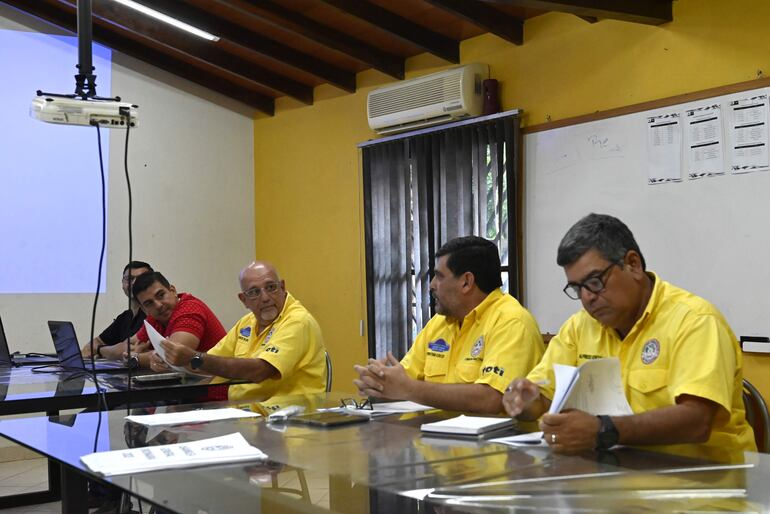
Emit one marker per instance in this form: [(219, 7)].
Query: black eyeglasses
[(352, 403), (256, 292), (594, 284)]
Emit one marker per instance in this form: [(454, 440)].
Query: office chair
[(757, 416), (328, 371)]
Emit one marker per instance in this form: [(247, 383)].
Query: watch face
[(608, 434), (196, 361)]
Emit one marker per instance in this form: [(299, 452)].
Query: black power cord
[(125, 112)]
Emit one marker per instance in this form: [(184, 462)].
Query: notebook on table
[(68, 351), (467, 426), (7, 359)]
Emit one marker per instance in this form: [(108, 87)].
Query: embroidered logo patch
[(246, 331), (650, 351), (269, 335), (478, 347), (439, 345)]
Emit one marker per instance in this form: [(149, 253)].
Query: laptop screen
[(66, 344), (5, 354)]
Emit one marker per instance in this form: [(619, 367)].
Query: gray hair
[(606, 234)]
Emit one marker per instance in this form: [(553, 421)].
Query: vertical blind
[(421, 191)]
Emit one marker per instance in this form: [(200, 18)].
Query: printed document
[(595, 387), (704, 141), (189, 417), (664, 145), (216, 450), (748, 134)]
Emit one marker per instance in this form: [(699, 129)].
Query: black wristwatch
[(196, 361), (608, 436)]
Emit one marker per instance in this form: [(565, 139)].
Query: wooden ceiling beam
[(294, 22), (112, 13), (254, 42), (650, 12), (63, 16), (400, 27), (490, 19)]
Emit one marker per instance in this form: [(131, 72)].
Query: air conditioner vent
[(436, 98)]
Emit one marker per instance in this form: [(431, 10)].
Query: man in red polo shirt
[(179, 317)]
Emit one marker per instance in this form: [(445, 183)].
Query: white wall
[(192, 177)]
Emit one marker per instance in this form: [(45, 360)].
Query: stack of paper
[(217, 450), (192, 416), (467, 425)]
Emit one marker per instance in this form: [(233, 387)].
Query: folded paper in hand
[(594, 387), (216, 450), (155, 339), (467, 425)]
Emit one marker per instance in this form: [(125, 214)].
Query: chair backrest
[(757, 415), (328, 371)]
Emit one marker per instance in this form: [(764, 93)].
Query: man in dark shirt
[(126, 324)]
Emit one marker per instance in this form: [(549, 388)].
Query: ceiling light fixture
[(168, 19)]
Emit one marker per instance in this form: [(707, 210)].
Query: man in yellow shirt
[(278, 346), (470, 350), (681, 365)]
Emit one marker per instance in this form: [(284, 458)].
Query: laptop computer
[(7, 359), (68, 350)]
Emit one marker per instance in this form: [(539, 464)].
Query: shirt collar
[(479, 311)]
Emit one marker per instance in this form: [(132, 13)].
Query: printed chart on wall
[(690, 180)]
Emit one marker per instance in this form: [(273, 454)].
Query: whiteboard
[(709, 236)]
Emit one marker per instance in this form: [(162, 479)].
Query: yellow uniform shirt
[(499, 340), (293, 344), (680, 345)]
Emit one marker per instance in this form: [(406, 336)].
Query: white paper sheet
[(664, 147), (597, 388), (155, 339), (704, 141), (531, 439), (216, 450), (749, 134), (192, 416)]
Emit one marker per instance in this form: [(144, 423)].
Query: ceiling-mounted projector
[(74, 111)]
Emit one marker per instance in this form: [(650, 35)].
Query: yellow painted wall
[(307, 170)]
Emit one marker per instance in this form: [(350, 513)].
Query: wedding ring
[(553, 438)]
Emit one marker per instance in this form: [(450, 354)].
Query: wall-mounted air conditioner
[(436, 98)]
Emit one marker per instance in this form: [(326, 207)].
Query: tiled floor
[(23, 476), (30, 475)]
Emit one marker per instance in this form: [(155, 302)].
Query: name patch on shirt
[(245, 331), (439, 345), (589, 357), (271, 349), (650, 351)]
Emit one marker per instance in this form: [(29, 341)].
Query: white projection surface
[(50, 194)]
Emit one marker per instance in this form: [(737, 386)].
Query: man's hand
[(157, 364), (570, 431), (520, 395), (384, 378), (177, 354)]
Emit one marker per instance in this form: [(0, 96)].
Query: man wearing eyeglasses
[(126, 324), (681, 364), (278, 346), (479, 339)]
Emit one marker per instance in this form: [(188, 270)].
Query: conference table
[(24, 390), (387, 465)]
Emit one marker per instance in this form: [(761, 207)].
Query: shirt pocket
[(468, 373), (648, 389), (436, 367)]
